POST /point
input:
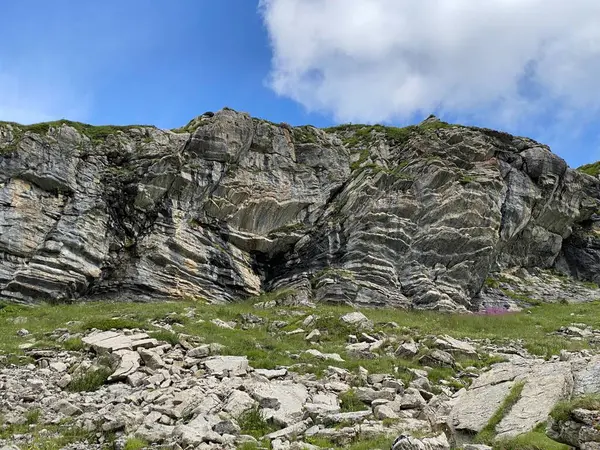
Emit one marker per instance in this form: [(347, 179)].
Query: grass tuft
[(166, 336), (91, 380), (73, 344), (562, 411), (350, 402), (111, 323), (592, 169), (134, 443), (33, 416), (534, 440), (253, 423)]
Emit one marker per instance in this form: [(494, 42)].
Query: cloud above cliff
[(382, 60)]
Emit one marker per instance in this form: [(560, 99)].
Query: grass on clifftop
[(592, 169), (357, 134), (94, 132)]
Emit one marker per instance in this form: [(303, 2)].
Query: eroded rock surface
[(230, 206)]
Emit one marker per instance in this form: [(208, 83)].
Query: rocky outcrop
[(544, 385), (579, 431), (231, 206)]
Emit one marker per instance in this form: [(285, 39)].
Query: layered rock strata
[(231, 206)]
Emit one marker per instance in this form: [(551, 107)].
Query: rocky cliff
[(230, 206)]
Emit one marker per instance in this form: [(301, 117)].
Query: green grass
[(467, 179), (91, 380), (377, 443), (254, 424), (33, 416), (440, 373), (349, 402), (562, 411), (304, 135), (94, 132), (488, 433), (591, 169), (166, 336), (534, 440), (46, 436), (106, 324), (354, 135), (268, 348), (492, 283), (522, 298), (73, 344), (135, 444)]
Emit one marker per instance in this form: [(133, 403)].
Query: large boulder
[(544, 384)]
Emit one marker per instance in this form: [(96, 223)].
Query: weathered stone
[(357, 319), (407, 349), (290, 432), (441, 210), (382, 412), (545, 383), (151, 359), (238, 402), (404, 442), (437, 358), (285, 399), (129, 362), (412, 399), (347, 417), (314, 335), (227, 427), (67, 408), (270, 374), (369, 394), (325, 356), (455, 346), (230, 366)]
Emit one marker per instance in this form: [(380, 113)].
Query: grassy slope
[(267, 349), (591, 169), (270, 349)]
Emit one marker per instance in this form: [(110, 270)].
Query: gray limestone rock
[(404, 442), (230, 205), (544, 385)]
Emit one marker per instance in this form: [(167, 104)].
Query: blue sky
[(319, 62)]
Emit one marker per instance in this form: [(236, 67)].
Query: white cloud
[(380, 60)]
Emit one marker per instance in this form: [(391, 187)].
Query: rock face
[(231, 206), (579, 431)]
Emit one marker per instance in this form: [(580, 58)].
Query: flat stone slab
[(545, 384), (284, 399), (230, 366), (347, 417), (269, 374), (129, 363), (111, 341)]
